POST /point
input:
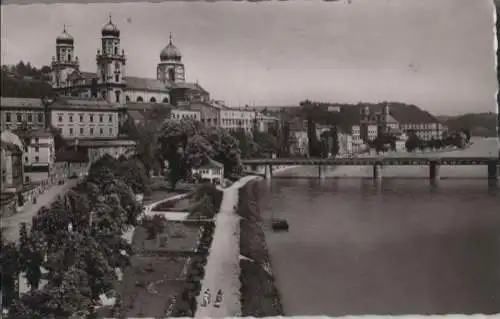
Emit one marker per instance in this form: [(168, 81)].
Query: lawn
[(149, 284), (179, 237)]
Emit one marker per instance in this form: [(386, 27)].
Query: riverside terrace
[(378, 162)]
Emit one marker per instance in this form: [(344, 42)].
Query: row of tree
[(25, 80), (78, 241)]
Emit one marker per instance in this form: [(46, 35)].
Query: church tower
[(65, 61), (110, 61), (170, 67)]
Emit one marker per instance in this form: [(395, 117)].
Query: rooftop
[(147, 84), (11, 138), (210, 163), (20, 102), (71, 156), (104, 142)]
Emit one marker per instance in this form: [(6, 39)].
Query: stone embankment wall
[(259, 293)]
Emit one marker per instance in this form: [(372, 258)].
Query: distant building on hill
[(375, 120)]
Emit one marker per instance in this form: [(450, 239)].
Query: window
[(100, 118), (91, 118), (127, 98), (81, 118), (101, 131), (25, 148), (37, 148), (139, 99), (117, 65), (117, 96), (70, 131), (91, 131), (19, 117), (30, 117), (117, 77), (110, 118), (116, 53), (26, 158), (69, 57), (81, 131), (60, 118), (152, 100), (7, 117), (37, 140), (165, 100), (110, 131), (71, 118), (37, 159)]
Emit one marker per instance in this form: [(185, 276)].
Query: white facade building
[(211, 171), (39, 157)]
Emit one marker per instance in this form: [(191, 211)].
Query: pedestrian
[(206, 298), (218, 299)]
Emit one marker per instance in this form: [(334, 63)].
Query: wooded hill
[(24, 80), (479, 124)]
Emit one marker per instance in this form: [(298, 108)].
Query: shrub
[(259, 295), (154, 225)]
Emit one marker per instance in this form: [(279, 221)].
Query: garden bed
[(179, 237), (149, 284)]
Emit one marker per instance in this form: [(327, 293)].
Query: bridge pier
[(434, 171), (268, 172), (492, 171), (377, 171), (321, 174)]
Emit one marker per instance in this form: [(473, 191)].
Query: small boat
[(279, 224)]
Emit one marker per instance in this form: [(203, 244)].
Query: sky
[(437, 54)]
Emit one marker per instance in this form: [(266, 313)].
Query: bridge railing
[(375, 160)]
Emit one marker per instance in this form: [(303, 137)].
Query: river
[(399, 247)]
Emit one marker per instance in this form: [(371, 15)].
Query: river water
[(398, 247)]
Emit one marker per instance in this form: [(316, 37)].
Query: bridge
[(378, 162)]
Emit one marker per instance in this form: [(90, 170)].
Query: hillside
[(479, 124), (24, 80), (350, 114)]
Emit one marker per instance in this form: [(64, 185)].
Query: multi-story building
[(16, 111), (39, 157), (84, 119), (397, 120), (141, 112), (12, 162), (80, 121)]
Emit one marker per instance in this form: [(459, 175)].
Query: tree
[(9, 259), (413, 142), (266, 144)]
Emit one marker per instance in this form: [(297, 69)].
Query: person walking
[(206, 298), (218, 299)]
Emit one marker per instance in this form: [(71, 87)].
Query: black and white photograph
[(217, 159)]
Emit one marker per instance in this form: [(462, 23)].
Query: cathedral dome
[(110, 29), (170, 52), (64, 38)]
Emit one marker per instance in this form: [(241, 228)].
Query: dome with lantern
[(110, 29), (64, 38), (170, 52)]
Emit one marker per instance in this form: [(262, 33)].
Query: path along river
[(402, 247)]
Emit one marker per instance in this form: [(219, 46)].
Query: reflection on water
[(400, 246)]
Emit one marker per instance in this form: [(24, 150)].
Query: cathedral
[(111, 83)]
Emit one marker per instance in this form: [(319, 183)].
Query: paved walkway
[(223, 268), (10, 225)]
